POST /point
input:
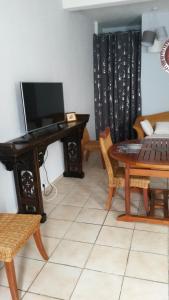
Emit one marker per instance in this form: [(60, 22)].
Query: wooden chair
[(15, 230), (89, 146), (116, 174)]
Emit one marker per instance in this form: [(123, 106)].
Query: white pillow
[(162, 128), (147, 128)]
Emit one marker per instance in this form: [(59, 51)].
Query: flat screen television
[(43, 104)]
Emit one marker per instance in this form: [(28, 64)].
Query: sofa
[(153, 119)]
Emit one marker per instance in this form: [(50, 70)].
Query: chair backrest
[(105, 143)]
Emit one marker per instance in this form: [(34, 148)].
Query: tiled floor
[(92, 255)]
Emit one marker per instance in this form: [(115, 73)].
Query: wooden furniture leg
[(145, 198), (10, 272), (102, 159), (87, 155), (127, 190), (39, 244), (111, 193)]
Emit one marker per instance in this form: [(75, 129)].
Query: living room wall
[(154, 79), (41, 42)]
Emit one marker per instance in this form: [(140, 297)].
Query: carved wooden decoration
[(164, 55)]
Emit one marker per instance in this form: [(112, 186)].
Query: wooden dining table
[(148, 157)]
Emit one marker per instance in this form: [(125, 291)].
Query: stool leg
[(102, 159), (39, 244), (145, 198), (87, 155), (10, 272)]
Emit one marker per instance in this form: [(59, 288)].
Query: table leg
[(127, 190)]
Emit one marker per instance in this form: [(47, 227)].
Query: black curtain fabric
[(117, 72)]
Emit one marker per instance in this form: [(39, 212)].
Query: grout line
[(85, 264), (129, 250), (41, 295)]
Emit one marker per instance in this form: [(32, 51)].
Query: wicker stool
[(15, 230)]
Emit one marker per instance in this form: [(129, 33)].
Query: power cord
[(51, 185)]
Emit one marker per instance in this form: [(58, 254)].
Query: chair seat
[(135, 181), (15, 230)]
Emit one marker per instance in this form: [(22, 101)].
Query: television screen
[(43, 104)]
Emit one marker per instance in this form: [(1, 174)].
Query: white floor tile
[(6, 295), (65, 212), (96, 200), (151, 227), (56, 281), (30, 250), (30, 296), (93, 216), (111, 220), (55, 228), (148, 266), (150, 242), (115, 237), (108, 259), (71, 253), (118, 204), (136, 289), (84, 201), (26, 271), (97, 286), (48, 207), (83, 232), (76, 197)]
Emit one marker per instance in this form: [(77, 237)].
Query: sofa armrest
[(138, 128)]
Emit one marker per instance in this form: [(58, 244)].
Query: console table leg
[(28, 185), (73, 154)]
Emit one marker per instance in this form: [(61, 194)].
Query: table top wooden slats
[(153, 151)]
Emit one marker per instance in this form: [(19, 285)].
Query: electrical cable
[(53, 187)]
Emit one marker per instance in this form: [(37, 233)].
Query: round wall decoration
[(164, 55)]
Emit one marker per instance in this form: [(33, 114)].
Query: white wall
[(41, 42), (154, 80)]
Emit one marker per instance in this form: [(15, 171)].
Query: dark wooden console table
[(25, 155)]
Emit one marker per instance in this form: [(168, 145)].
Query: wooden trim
[(148, 172), (145, 219)]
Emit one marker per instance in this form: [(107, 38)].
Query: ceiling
[(123, 15)]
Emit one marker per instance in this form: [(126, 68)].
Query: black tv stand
[(25, 155)]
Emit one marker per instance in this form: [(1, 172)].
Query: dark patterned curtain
[(117, 72)]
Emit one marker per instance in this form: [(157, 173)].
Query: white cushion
[(162, 128), (147, 128)]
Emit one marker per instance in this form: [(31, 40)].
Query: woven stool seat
[(15, 230)]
